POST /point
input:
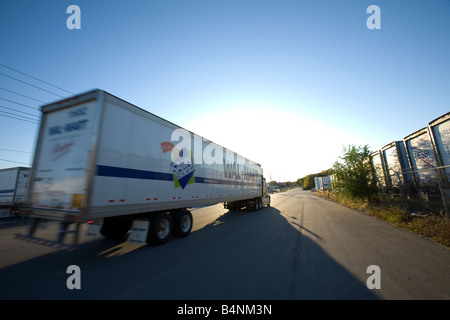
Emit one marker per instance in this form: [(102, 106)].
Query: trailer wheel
[(253, 205), (160, 228), (256, 204), (182, 223), (115, 228)]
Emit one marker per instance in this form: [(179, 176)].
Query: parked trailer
[(439, 131), (13, 184), (322, 183), (378, 164), (421, 158), (396, 165), (325, 183), (317, 183), (101, 159)]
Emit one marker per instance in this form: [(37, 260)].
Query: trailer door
[(62, 159)]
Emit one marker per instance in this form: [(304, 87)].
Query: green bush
[(353, 175)]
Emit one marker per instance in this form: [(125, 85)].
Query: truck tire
[(256, 206), (115, 228), (160, 228), (182, 223)]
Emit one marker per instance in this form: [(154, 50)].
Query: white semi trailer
[(13, 184), (102, 160)]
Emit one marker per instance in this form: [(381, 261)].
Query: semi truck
[(13, 184), (129, 173)]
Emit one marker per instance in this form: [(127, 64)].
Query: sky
[(285, 83)]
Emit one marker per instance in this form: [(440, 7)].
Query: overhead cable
[(32, 85), (2, 149), (36, 78), (15, 161), (21, 118), (34, 115), (21, 104), (23, 95)]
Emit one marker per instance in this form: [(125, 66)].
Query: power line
[(31, 85), (20, 111), (27, 163), (36, 78), (1, 149), (21, 104), (4, 115), (23, 95), (20, 117)]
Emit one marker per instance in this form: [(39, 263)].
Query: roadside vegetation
[(354, 185)]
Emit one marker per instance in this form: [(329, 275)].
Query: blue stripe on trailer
[(118, 172)]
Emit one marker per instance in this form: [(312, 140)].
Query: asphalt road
[(302, 247)]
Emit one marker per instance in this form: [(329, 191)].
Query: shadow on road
[(240, 255), (279, 259)]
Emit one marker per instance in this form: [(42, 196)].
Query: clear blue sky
[(285, 83)]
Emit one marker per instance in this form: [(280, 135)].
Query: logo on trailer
[(182, 167)]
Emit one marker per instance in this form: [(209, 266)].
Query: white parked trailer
[(396, 165), (439, 130), (379, 169), (317, 183), (440, 133), (421, 158), (13, 184), (100, 158), (325, 183)]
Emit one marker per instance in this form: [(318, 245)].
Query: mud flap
[(94, 228), (139, 231)]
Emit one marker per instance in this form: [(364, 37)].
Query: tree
[(353, 175), (308, 182)]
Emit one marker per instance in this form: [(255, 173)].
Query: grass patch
[(394, 214), (431, 225), (436, 228)]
